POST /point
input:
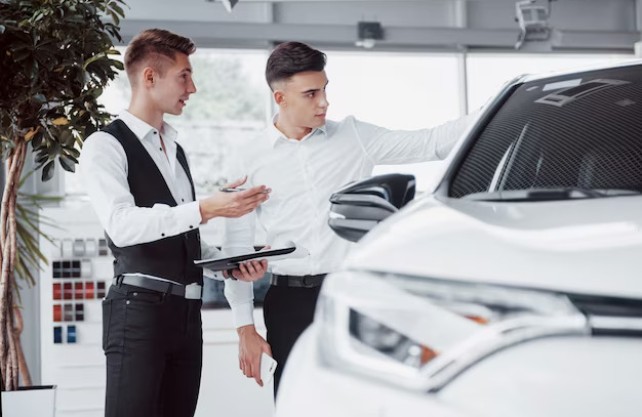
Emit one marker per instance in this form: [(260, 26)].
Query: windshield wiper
[(562, 193), (549, 194)]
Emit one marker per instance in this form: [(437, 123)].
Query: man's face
[(173, 88), (303, 100)]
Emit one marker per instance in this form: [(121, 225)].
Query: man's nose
[(323, 102)]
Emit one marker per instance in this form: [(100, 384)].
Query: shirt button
[(163, 234), (191, 227), (160, 149), (155, 132), (182, 199)]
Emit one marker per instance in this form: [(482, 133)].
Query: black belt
[(191, 292), (300, 281)]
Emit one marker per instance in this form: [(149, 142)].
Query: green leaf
[(34, 218), (42, 154), (117, 64), (115, 18), (73, 152), (29, 238), (93, 59), (24, 272), (117, 9), (48, 171), (36, 142), (68, 163)]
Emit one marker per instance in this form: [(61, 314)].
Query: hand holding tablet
[(287, 251)]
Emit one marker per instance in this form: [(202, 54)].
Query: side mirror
[(360, 206)]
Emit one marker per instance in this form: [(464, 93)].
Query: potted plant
[(57, 56)]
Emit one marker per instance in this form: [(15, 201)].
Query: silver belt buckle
[(193, 291)]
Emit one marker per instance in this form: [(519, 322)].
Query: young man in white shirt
[(139, 183), (305, 158)]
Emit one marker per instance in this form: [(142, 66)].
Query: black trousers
[(287, 311), (154, 348)]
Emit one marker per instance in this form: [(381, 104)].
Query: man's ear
[(148, 76), (279, 97)]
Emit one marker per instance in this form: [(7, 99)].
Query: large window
[(397, 91)]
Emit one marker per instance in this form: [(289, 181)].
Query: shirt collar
[(141, 129), (275, 134)]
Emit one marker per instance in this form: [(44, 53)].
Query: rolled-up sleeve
[(386, 147)]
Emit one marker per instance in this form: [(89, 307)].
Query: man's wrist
[(202, 211), (245, 330)]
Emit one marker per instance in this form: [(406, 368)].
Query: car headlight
[(419, 333)]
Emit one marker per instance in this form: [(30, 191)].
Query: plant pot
[(37, 401)]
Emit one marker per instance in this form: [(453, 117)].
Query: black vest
[(170, 257)]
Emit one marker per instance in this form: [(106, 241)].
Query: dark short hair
[(152, 46), (290, 58)]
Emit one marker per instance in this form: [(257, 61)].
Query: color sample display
[(57, 334), (67, 291), (80, 312), (57, 312), (89, 290), (79, 247), (68, 312), (57, 291), (79, 290), (71, 334), (103, 250), (74, 284), (100, 292)]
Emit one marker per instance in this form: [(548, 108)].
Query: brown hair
[(154, 46), (290, 58)]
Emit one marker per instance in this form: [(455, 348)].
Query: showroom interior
[(403, 65)]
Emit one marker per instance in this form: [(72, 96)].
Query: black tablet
[(232, 262)]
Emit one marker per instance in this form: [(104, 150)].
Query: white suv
[(513, 289)]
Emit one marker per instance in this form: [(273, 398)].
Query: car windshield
[(572, 136)]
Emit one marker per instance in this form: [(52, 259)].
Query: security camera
[(531, 17), (533, 22)]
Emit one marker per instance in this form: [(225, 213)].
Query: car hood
[(590, 246)]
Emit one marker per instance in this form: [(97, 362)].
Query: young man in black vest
[(140, 186)]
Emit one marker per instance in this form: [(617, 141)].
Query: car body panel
[(567, 246), (553, 377), (321, 392)]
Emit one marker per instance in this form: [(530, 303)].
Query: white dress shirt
[(103, 171), (303, 174)]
